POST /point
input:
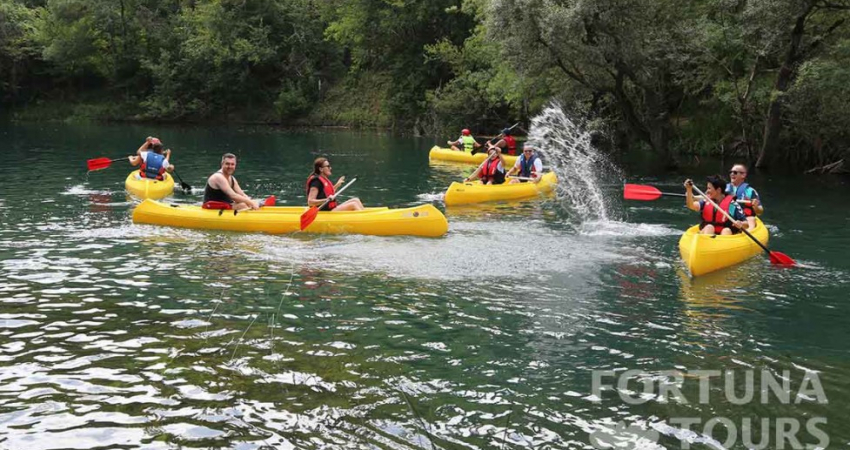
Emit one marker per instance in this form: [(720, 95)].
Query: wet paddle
[(490, 141), (310, 215), (102, 163), (646, 193), (183, 184), (775, 257)]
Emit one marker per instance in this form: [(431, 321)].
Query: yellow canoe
[(147, 188), (705, 254), (475, 192), (447, 154), (422, 220)]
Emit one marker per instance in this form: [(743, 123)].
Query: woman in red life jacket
[(319, 188), (712, 221), (492, 170)]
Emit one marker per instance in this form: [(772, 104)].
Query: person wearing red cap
[(465, 143), (152, 159)]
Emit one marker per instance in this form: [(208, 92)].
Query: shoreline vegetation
[(765, 82)]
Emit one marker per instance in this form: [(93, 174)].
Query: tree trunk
[(773, 123)]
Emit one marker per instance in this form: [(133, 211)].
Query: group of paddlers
[(222, 191), (528, 166), (740, 201)]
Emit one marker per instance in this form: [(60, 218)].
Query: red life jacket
[(490, 171), (327, 187), (511, 144), (712, 217)]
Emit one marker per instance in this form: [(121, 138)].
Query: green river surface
[(116, 335)]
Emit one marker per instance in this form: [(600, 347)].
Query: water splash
[(580, 167)]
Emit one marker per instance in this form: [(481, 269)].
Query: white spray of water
[(581, 168)]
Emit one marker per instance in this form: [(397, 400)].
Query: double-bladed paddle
[(101, 163), (649, 193), (775, 257), (646, 193), (310, 215), (490, 141), (183, 184)]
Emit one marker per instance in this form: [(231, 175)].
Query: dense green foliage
[(755, 79)]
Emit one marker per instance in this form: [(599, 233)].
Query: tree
[(18, 47), (803, 25), (627, 52)]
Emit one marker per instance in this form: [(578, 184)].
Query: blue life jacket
[(526, 167), (743, 192), (152, 166)]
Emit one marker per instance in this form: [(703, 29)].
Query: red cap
[(465, 132), (155, 141)]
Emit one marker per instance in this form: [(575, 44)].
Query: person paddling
[(506, 143), (714, 222), (528, 165), (492, 170), (222, 190), (747, 197), (465, 143), (154, 162), (320, 188)]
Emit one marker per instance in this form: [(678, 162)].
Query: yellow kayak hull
[(447, 154), (475, 192), (705, 254), (422, 220), (147, 188)]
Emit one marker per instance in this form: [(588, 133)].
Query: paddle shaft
[(322, 205), (674, 194), (717, 208), (183, 184), (490, 141)]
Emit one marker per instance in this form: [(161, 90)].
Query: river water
[(117, 335)]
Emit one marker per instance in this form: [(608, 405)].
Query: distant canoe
[(475, 192), (449, 155), (149, 188)]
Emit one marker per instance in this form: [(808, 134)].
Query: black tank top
[(217, 195)]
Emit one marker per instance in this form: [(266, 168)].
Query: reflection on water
[(125, 336)]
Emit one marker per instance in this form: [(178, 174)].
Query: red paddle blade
[(781, 259), (98, 163), (308, 217), (269, 201), (640, 192)]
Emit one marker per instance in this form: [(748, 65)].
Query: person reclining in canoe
[(714, 222), (320, 188), (465, 143), (492, 170), (527, 166), (222, 190), (747, 197), (506, 144), (152, 159)]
